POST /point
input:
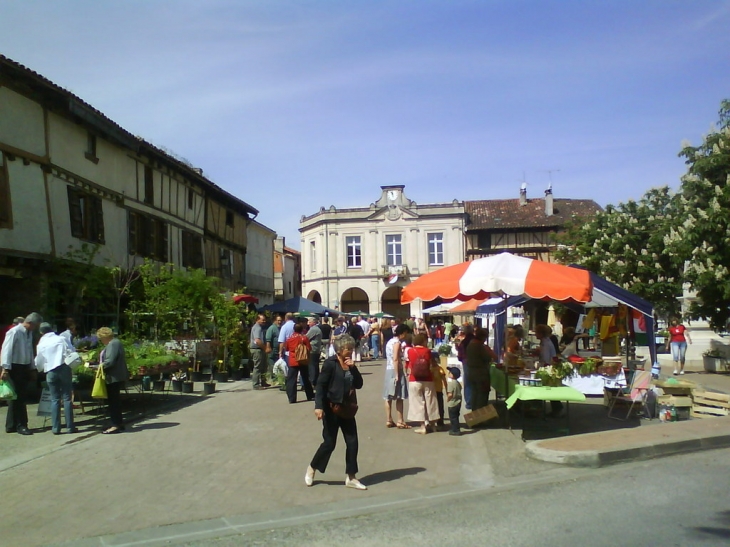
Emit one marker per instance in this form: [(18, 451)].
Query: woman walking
[(678, 339), (333, 404)]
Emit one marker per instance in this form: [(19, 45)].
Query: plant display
[(554, 374), (715, 352), (444, 349)]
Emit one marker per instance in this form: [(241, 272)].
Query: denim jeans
[(375, 345), (454, 412), (679, 349), (60, 385)]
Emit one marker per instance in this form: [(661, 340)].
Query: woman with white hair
[(336, 404), (114, 363)]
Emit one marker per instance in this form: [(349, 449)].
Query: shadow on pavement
[(589, 417), (392, 475), (158, 425), (724, 532)]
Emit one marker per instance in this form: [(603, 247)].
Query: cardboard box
[(480, 415)]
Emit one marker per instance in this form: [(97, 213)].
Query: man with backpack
[(299, 350)]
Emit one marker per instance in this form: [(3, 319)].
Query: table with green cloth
[(542, 393), (502, 384)]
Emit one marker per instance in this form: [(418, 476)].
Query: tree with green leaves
[(703, 236), (625, 244)]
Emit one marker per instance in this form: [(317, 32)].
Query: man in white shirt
[(287, 329), (364, 347), (51, 359), (16, 359)]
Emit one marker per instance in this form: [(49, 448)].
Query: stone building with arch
[(359, 259)]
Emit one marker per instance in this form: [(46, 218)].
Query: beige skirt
[(422, 403)]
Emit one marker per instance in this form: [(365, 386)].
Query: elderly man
[(272, 343), (51, 359), (258, 353), (315, 338), (16, 358)]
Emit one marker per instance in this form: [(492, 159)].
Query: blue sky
[(293, 105)]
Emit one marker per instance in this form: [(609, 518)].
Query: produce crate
[(708, 404), (681, 387)]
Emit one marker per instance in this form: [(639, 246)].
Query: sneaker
[(354, 483), (675, 372), (681, 372), (309, 476), (455, 433), (420, 430)]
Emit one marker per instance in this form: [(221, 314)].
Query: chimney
[(523, 194), (549, 201)]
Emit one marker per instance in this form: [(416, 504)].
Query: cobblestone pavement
[(236, 453)]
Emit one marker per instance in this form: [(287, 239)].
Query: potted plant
[(221, 373), (177, 381), (187, 387), (209, 387), (715, 361), (553, 375), (444, 351)]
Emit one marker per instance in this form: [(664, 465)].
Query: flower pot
[(714, 364), (177, 386), (187, 387), (208, 388), (199, 376), (246, 370), (221, 377), (146, 383), (158, 385), (237, 375)]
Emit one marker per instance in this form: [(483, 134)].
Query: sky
[(294, 105)]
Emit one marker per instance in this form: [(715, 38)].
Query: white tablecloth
[(594, 384)]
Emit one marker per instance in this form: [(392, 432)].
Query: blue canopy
[(605, 294), (299, 304)]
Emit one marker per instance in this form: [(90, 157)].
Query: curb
[(646, 451)]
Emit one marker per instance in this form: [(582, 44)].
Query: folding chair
[(636, 395)]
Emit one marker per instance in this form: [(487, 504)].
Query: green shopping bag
[(7, 393), (99, 389)]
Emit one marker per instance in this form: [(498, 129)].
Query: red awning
[(238, 298)]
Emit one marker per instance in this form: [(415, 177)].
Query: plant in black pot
[(221, 373), (209, 387)]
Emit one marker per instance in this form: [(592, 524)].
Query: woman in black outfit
[(336, 385)]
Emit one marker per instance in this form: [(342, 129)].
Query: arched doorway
[(390, 303), (355, 299), (314, 296)]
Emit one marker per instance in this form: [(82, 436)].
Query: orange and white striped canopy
[(500, 275)]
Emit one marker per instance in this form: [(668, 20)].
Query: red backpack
[(421, 367)]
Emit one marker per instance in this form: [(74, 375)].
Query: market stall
[(637, 319)]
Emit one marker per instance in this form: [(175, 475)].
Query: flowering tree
[(624, 244), (704, 235)]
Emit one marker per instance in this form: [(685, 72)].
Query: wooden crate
[(710, 398), (699, 411), (674, 400)]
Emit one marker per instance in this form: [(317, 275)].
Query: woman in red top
[(678, 338), (422, 402), (296, 368)]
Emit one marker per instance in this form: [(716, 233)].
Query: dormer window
[(90, 153)]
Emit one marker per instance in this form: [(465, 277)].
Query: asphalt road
[(678, 501)]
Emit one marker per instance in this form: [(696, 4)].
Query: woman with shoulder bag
[(336, 404)]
